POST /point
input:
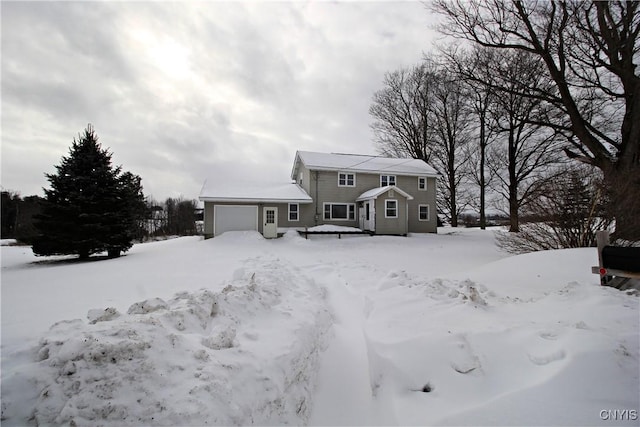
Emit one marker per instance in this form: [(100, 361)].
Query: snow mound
[(333, 228), (446, 290), (292, 235), (239, 236), (99, 315), (147, 306), (244, 355)]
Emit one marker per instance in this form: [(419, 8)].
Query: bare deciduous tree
[(401, 113), (422, 113), (589, 50), (451, 126), (526, 151), (475, 69)]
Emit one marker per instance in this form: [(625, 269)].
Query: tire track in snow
[(347, 389)]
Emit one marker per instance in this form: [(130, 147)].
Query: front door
[(270, 223), (371, 215), (367, 221)]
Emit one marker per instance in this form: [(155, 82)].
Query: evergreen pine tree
[(91, 207)]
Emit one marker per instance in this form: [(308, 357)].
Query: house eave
[(252, 200), (372, 172), (381, 191)]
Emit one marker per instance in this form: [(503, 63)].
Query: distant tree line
[(172, 217), (18, 216), (539, 116)]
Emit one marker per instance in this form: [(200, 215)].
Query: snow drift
[(235, 357)]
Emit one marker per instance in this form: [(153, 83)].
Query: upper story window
[(422, 183), (300, 178), (387, 180), (346, 179)]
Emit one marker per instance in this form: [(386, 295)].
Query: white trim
[(255, 200), (302, 158), (388, 184), (425, 183), (428, 212), (386, 208), (297, 205), (346, 179), (348, 205), (377, 192), (366, 171)]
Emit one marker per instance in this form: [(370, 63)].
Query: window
[(300, 179), (387, 180), (346, 179), (423, 212), (390, 208), (338, 211), (271, 216), (293, 211), (422, 183)]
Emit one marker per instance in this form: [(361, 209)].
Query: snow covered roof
[(361, 163), (254, 192), (375, 192)]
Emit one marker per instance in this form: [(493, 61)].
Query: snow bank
[(329, 227), (430, 330), (8, 242), (514, 343), (240, 356), (240, 236)]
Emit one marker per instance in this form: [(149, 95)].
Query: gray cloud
[(181, 91)]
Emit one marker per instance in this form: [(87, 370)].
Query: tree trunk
[(83, 254), (452, 186), (513, 215), (513, 185), (483, 218), (113, 253), (623, 184), (454, 215)]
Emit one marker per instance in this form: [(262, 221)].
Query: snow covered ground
[(425, 330)]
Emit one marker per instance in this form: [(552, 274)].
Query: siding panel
[(391, 225), (328, 191)]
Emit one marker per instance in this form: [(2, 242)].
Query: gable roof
[(375, 192), (361, 163), (253, 192)]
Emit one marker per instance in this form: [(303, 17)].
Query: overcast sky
[(184, 91)]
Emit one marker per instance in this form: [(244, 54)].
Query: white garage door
[(234, 218)]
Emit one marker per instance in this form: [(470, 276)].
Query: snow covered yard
[(427, 330)]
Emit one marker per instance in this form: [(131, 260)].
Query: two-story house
[(377, 194)]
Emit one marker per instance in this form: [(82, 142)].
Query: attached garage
[(266, 208), (234, 218)]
